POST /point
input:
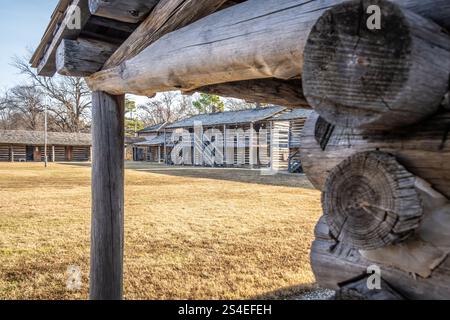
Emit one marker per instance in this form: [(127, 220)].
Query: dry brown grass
[(190, 234)]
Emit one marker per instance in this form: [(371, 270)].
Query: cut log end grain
[(370, 201), (375, 79)]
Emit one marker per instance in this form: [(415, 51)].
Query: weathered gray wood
[(370, 201), (167, 16), (252, 40), (131, 11), (334, 263), (357, 289), (47, 64), (107, 233), (287, 93), (373, 79), (82, 57), (423, 149)]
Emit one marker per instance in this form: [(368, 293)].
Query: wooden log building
[(276, 139), (374, 77), (29, 146), (151, 146)]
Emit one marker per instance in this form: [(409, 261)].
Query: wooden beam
[(252, 40), (287, 93), (167, 16), (77, 12), (107, 234), (346, 78), (82, 57), (132, 11)]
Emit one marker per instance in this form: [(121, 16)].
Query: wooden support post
[(252, 144), (271, 146), (225, 139), (11, 148), (107, 234), (54, 154), (165, 147)]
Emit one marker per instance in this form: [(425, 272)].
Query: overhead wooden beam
[(107, 234), (77, 12), (82, 57), (122, 10), (287, 93), (252, 40), (167, 16)]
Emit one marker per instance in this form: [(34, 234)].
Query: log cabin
[(276, 138), (29, 146), (151, 146), (370, 87)]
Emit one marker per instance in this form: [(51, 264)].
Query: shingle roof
[(231, 117), (37, 138), (155, 128), (294, 114), (157, 141)]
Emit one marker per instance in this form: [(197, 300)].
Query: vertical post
[(53, 154), (45, 137), (271, 147), (252, 142), (165, 147), (107, 234), (225, 145), (12, 153)]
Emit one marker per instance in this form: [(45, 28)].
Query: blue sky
[(22, 24)]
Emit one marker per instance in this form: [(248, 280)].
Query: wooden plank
[(107, 235), (131, 11), (47, 64), (252, 40), (167, 16), (82, 57)]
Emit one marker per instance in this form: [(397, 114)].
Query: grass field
[(190, 234)]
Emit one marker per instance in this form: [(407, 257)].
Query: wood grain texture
[(423, 149), (370, 201), (167, 16), (47, 64), (132, 11), (375, 79), (82, 57), (287, 93), (356, 289), (335, 263), (107, 234), (252, 40)]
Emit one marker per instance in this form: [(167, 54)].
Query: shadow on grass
[(288, 293), (224, 174)]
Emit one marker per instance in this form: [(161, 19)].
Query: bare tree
[(232, 104), (167, 107), (68, 98), (24, 106)]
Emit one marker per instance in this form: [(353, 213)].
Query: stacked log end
[(382, 122), (370, 201), (375, 79)]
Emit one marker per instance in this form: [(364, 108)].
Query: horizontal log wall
[(280, 145), (20, 153), (81, 153), (5, 153)]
